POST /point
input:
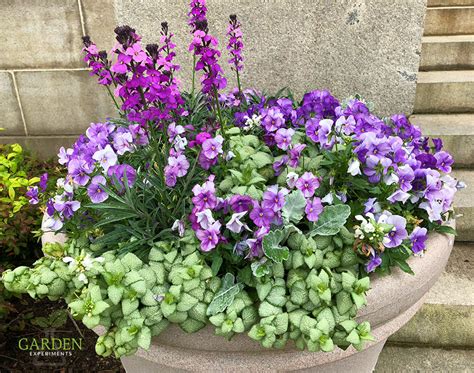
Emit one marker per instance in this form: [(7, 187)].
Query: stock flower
[(204, 196), (209, 237), (398, 233), (418, 238), (179, 164), (95, 190), (308, 183), (273, 198), (235, 44), (283, 137), (313, 208), (137, 53), (122, 142), (106, 157), (261, 216)]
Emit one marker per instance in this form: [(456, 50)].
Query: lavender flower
[(273, 198), (283, 137), (308, 183), (313, 208), (262, 216), (209, 237), (95, 190), (418, 239), (398, 233), (234, 224), (32, 194)]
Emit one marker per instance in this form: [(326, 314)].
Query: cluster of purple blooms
[(390, 153)]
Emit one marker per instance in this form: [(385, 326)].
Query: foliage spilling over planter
[(258, 214)]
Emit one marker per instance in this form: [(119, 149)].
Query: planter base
[(167, 358)]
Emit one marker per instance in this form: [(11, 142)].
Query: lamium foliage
[(243, 211)]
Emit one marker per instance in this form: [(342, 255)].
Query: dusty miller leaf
[(225, 296), (294, 207), (271, 246), (331, 220)]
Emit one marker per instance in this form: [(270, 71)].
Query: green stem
[(194, 75), (112, 96), (238, 83)]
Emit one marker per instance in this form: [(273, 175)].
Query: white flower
[(391, 178), (354, 167), (205, 218), (179, 226), (328, 198), (180, 143), (230, 155), (291, 179), (234, 224)]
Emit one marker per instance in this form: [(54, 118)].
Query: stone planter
[(392, 301)]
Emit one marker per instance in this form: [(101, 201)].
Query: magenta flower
[(313, 208), (283, 137), (137, 53), (418, 239), (308, 183), (209, 237), (261, 216), (235, 45), (95, 190), (274, 199), (121, 66), (205, 195)]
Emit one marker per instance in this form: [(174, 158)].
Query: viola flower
[(283, 137), (211, 148), (241, 203), (398, 233), (418, 239), (405, 177), (205, 195), (308, 183), (105, 157), (32, 194), (313, 208), (52, 224), (444, 161), (64, 155), (174, 130), (179, 226), (374, 262), (354, 167), (209, 237), (291, 179), (272, 119), (376, 167), (205, 219), (68, 208), (279, 165), (295, 154), (234, 224), (95, 190), (274, 199), (262, 216), (122, 174), (79, 171)]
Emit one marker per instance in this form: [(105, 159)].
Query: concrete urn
[(391, 302)]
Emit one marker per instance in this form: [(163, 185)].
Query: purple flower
[(272, 119), (313, 208), (122, 142), (43, 183), (295, 154), (274, 199), (376, 167), (283, 137), (398, 233), (180, 164), (32, 194), (241, 203), (312, 129), (372, 206), (95, 190), (67, 208), (405, 177), (418, 238), (122, 174), (211, 148), (106, 157), (78, 169), (438, 144), (444, 161), (205, 195), (205, 219), (261, 216), (308, 183), (137, 53), (235, 45), (64, 155), (209, 237), (280, 164), (373, 263)]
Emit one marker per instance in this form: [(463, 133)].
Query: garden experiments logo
[(50, 346)]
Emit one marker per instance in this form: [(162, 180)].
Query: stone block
[(62, 102), (44, 147), (450, 20), (40, 34), (368, 47), (452, 52), (10, 120), (100, 22)]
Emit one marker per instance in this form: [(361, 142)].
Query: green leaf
[(271, 246), (225, 295), (446, 229), (217, 261), (294, 207), (260, 269), (331, 220)]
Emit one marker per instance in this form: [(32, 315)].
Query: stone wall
[(46, 95), (370, 47)]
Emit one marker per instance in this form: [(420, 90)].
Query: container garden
[(254, 217)]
